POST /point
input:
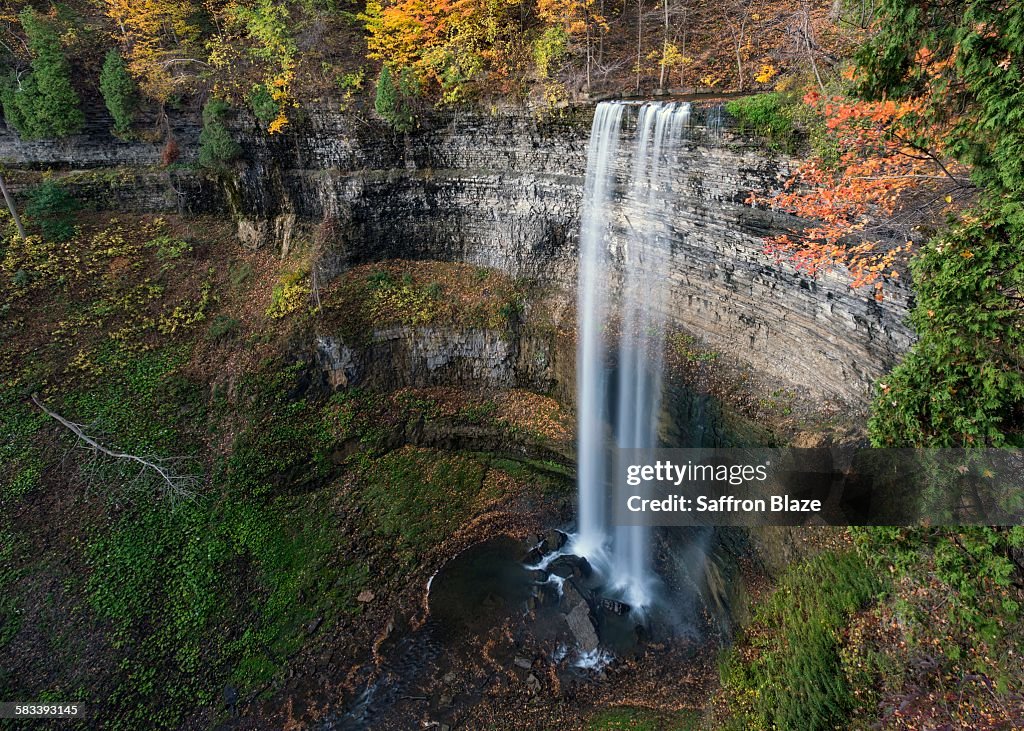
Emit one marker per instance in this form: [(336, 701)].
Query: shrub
[(53, 208), (289, 295), (216, 146), (263, 104), (119, 92), (768, 115), (43, 103)]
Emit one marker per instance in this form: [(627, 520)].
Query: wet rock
[(552, 540), (566, 566), (573, 595), (613, 606), (581, 624), (539, 575), (533, 556), (523, 662), (547, 594)]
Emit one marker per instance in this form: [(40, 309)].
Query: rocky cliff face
[(420, 357), (505, 191)]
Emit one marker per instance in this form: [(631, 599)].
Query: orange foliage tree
[(879, 182)]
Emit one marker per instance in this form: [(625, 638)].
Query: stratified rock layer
[(504, 190)]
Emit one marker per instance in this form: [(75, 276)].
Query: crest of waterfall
[(639, 310)]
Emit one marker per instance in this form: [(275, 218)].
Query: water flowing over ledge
[(629, 397)]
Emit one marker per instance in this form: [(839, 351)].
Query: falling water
[(639, 310), (592, 408)]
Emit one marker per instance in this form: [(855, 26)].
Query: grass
[(22, 459), (788, 672), (418, 497)]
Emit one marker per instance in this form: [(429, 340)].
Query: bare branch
[(174, 486)]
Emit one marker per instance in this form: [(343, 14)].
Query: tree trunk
[(639, 39), (664, 49), (11, 207)]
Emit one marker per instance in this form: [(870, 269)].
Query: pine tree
[(119, 92), (44, 103), (390, 102), (216, 146)]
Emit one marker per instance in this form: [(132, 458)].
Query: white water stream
[(621, 335)]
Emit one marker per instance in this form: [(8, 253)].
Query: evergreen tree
[(391, 101), (43, 103), (216, 146), (119, 92)]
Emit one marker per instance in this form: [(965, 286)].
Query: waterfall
[(591, 405), (638, 311)]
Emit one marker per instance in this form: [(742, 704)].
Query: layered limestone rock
[(504, 190), (420, 357)]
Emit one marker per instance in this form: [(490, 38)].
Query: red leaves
[(875, 167)]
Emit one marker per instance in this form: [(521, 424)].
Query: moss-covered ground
[(163, 339)]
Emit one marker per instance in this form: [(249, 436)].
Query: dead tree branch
[(174, 486)]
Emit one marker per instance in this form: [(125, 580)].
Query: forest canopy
[(273, 57)]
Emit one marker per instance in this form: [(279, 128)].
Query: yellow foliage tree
[(161, 40), (262, 29), (449, 44)]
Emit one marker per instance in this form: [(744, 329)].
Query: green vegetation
[(22, 459), (770, 116), (217, 147), (392, 101), (418, 497), (119, 92), (263, 104), (962, 383), (44, 102), (53, 208), (788, 673)]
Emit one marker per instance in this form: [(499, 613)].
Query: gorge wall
[(504, 190)]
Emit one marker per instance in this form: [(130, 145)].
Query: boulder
[(613, 606), (552, 540), (581, 624), (573, 595), (538, 575), (566, 566)]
